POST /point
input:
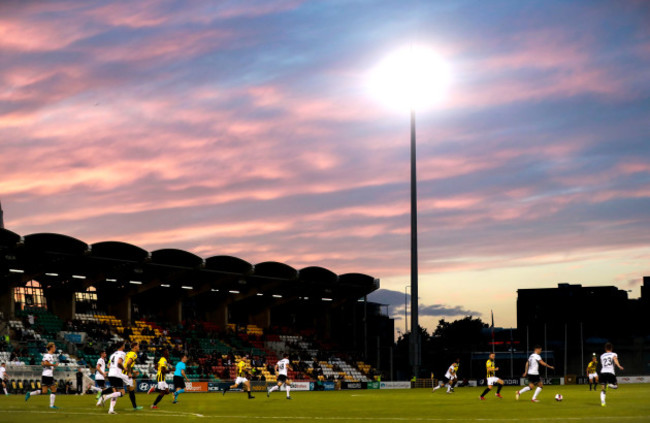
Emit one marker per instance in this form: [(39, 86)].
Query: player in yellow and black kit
[(490, 367), (128, 371), (162, 388), (592, 373), (242, 378), (129, 364)]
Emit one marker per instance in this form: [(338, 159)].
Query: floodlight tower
[(412, 78)]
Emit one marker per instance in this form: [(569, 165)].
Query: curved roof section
[(8, 238), (318, 274), (56, 243), (174, 257), (274, 269), (358, 279), (228, 264), (118, 251)]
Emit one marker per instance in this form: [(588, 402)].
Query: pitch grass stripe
[(101, 414), (423, 419)]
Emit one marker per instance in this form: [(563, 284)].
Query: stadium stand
[(85, 298)]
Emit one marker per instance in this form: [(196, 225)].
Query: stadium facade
[(173, 285), (576, 321)]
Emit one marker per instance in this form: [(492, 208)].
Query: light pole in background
[(415, 347), (411, 79), (406, 322)]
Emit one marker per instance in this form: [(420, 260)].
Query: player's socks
[(158, 398), (602, 396), (52, 398), (537, 391), (437, 387), (95, 388), (524, 389), (499, 389), (177, 393), (132, 398), (111, 409), (249, 395), (35, 393), (288, 389), (5, 389), (274, 388), (485, 392)]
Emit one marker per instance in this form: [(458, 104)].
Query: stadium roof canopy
[(61, 263)]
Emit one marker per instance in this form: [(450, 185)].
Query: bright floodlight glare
[(411, 78)]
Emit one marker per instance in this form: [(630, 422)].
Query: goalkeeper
[(180, 377)]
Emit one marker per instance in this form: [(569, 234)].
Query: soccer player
[(162, 388), (47, 378), (180, 377), (128, 373), (281, 368), (591, 372), (115, 378), (450, 377), (100, 374), (532, 370), (3, 377), (492, 378), (242, 373), (607, 371)]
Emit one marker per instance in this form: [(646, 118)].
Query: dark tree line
[(450, 340)]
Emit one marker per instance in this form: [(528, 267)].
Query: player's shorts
[(128, 381), (240, 379), (179, 382), (534, 378), (162, 386), (282, 378), (116, 382), (491, 381), (47, 381), (100, 383), (593, 376), (608, 378)]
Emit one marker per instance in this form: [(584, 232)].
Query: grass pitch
[(628, 404)]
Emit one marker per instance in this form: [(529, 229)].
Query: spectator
[(80, 377)]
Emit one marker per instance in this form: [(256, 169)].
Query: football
[(558, 397)]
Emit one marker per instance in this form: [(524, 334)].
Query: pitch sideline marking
[(426, 419)]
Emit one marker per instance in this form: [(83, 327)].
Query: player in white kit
[(281, 368), (532, 371), (450, 377), (115, 377), (3, 376), (100, 374), (47, 378), (607, 371)]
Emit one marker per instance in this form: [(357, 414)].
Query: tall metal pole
[(415, 327), (566, 348), (582, 352), (545, 353), (406, 307), (512, 355), (365, 327)]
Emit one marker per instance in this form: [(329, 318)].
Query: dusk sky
[(247, 128)]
